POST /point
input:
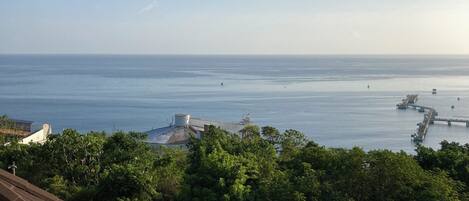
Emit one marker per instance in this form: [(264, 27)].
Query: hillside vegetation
[(260, 164)]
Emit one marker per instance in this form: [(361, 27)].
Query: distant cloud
[(152, 5)]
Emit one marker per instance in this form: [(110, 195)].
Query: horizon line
[(231, 54)]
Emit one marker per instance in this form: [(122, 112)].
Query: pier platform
[(429, 117)]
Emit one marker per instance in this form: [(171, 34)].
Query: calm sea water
[(324, 96)]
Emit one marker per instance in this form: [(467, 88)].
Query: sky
[(234, 26)]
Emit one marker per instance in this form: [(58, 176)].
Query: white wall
[(39, 136)]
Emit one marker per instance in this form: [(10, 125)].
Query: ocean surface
[(326, 97)]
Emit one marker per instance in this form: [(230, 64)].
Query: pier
[(410, 99), (449, 121), (430, 117)]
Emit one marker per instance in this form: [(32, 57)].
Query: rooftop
[(18, 189), (186, 126), (18, 127)]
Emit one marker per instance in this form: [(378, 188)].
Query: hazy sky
[(235, 26)]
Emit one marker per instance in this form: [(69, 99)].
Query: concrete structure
[(39, 136), (26, 133), (410, 99), (186, 126), (448, 121), (181, 120), (13, 188), (429, 118)]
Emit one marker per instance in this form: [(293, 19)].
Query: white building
[(24, 131), (38, 136)]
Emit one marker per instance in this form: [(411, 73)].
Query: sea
[(336, 100)]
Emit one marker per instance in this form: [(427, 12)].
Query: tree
[(291, 143), (93, 166), (75, 156), (250, 132), (222, 166), (452, 158), (6, 122), (60, 187), (129, 171), (170, 167), (272, 135), (123, 148), (127, 182)]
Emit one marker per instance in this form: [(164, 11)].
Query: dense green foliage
[(96, 167), (6, 122), (257, 164), (452, 158)]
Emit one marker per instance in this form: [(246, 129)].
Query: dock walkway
[(453, 120), (410, 99), (429, 118)]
